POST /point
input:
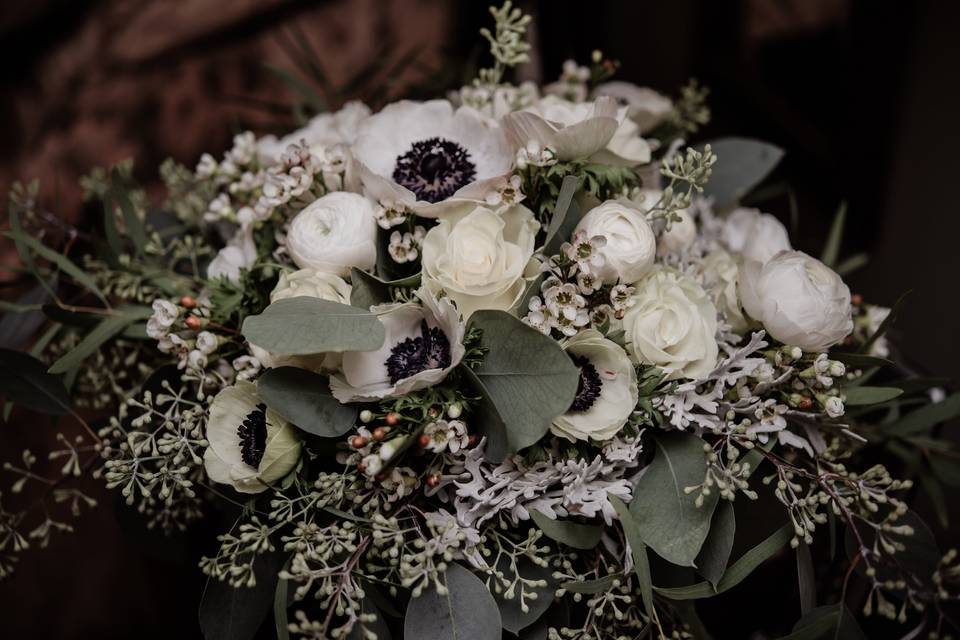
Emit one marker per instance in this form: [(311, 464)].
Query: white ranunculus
[(630, 245), (426, 156), (240, 253), (311, 283), (251, 447), (607, 393), (478, 257), (719, 272), (333, 233), (680, 235), (323, 131), (672, 325), (754, 235), (424, 342), (646, 107), (578, 130), (799, 300)]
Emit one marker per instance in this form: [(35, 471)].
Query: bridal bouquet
[(511, 363)]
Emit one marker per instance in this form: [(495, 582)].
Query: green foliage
[(303, 397), (671, 520), (743, 164), (236, 613), (715, 553), (572, 534), (464, 610), (24, 380), (526, 376), (304, 326)]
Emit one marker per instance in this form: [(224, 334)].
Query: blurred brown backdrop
[(862, 93)]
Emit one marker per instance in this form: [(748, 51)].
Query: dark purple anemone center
[(434, 169), (253, 436), (429, 350), (589, 386)]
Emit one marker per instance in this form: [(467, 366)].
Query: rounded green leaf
[(467, 610), (302, 326), (303, 397), (572, 534)]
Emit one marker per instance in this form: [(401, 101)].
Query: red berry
[(433, 480), (473, 439), (806, 404), (393, 418), (379, 434), (424, 441), (358, 442), (188, 302), (192, 322)]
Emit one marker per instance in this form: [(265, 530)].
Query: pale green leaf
[(107, 328), (303, 397), (303, 325), (831, 250), (466, 611), (741, 165), (856, 396), (24, 381), (715, 553), (566, 215), (61, 261), (572, 534), (638, 551)]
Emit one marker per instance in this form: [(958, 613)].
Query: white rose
[(754, 235), (333, 233), (672, 325), (799, 300), (646, 107), (631, 244), (312, 284), (479, 257), (607, 393), (680, 235), (719, 273), (251, 447)]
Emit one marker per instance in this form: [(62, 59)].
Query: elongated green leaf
[(886, 324), (62, 262), (737, 572), (24, 380), (280, 609), (527, 376), (741, 165), (377, 626), (107, 328), (486, 417), (638, 551), (925, 418), (303, 397), (917, 385), (228, 613), (566, 215), (15, 307), (806, 579), (830, 622), (298, 86), (667, 516), (467, 610), (302, 326), (598, 585), (134, 226), (855, 396), (572, 534), (859, 360), (715, 553), (831, 250), (853, 263)]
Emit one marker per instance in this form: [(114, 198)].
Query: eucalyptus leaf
[(486, 417), (860, 360), (885, 324), (853, 263), (856, 396), (742, 164), (597, 585), (526, 375), (107, 328), (378, 625), (715, 552), (303, 325), (280, 598), (831, 250), (368, 290), (303, 397), (566, 215), (82, 278), (925, 418), (806, 578), (467, 610), (512, 616), (828, 622), (134, 226), (572, 534), (667, 516), (228, 613), (558, 615), (24, 381), (638, 551), (735, 573)]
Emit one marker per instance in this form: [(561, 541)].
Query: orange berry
[(433, 480), (358, 442), (192, 322), (188, 302), (379, 434), (393, 418)]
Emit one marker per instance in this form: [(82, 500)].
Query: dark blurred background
[(863, 95)]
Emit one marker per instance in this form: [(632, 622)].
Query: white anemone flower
[(607, 392), (324, 130), (578, 130), (425, 155), (251, 447), (424, 342), (645, 106)]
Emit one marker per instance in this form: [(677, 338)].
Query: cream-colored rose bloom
[(312, 284), (719, 273), (478, 257), (631, 244), (251, 447), (334, 233), (607, 393), (672, 325), (799, 300)]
